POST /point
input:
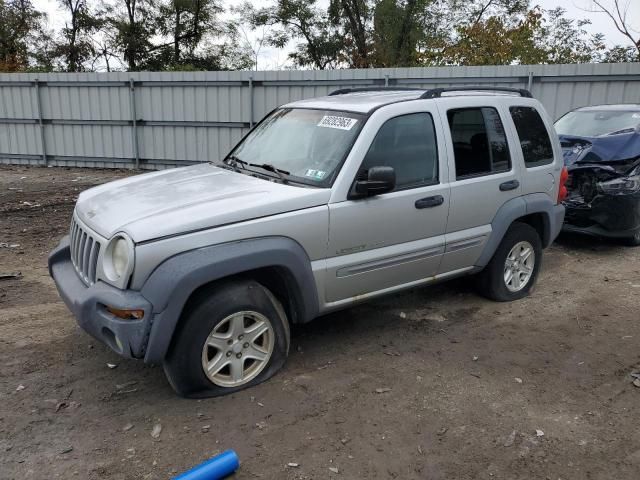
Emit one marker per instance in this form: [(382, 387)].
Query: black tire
[(633, 241), (183, 365), (491, 281)]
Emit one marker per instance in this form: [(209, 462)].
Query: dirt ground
[(471, 389)]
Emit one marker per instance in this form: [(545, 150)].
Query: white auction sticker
[(343, 123)]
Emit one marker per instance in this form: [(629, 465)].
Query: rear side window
[(533, 135), (479, 142), (408, 144)]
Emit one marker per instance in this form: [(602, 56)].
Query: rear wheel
[(231, 337), (514, 268), (634, 241)]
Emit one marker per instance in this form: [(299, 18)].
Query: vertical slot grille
[(84, 252)]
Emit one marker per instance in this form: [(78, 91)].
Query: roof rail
[(343, 91), (437, 92)]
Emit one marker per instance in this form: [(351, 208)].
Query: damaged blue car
[(601, 148)]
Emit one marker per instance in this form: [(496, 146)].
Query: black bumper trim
[(128, 338)]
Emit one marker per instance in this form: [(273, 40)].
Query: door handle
[(510, 185), (429, 202)]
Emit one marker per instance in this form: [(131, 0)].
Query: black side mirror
[(379, 180)]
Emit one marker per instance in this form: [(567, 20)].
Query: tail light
[(562, 191)]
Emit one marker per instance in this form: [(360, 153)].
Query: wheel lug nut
[(240, 337), (246, 345), (229, 342), (228, 354), (238, 355)]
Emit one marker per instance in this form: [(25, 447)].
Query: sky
[(273, 59)]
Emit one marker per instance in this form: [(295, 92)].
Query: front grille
[(85, 249)]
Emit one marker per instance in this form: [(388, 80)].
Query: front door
[(381, 242)]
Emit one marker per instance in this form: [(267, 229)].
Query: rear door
[(381, 242), (483, 176), (536, 149)]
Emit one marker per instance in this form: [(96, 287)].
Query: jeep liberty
[(324, 203)]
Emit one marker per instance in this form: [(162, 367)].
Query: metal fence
[(159, 120)]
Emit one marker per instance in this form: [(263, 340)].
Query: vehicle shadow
[(577, 241), (393, 311)]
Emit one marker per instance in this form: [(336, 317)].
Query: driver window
[(408, 144)]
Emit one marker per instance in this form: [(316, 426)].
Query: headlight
[(118, 258), (621, 186)]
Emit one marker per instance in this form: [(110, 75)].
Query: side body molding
[(553, 216), (168, 288)]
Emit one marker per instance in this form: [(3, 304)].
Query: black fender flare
[(552, 214), (171, 284)]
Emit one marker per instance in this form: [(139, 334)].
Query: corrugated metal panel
[(187, 117)]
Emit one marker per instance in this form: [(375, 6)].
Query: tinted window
[(479, 142), (534, 139), (408, 144)]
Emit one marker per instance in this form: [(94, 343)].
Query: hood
[(174, 201), (623, 147)]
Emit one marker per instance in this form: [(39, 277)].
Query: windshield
[(597, 123), (305, 145)]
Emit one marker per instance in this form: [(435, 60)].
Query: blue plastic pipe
[(217, 468)]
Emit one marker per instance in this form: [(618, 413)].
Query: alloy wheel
[(519, 266), (238, 349)]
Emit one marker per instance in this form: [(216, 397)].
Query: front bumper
[(88, 304), (613, 216)]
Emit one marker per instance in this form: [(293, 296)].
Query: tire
[(218, 316), (633, 241), (492, 281)]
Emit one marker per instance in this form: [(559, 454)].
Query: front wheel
[(513, 270), (231, 337)]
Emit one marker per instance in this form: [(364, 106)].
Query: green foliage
[(199, 34), (75, 48), (620, 54), (22, 37), (131, 26), (317, 43)]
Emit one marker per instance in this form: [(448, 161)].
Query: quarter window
[(479, 142), (533, 135), (408, 144)]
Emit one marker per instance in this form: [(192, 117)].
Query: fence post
[(386, 80), (530, 82), (132, 98), (250, 101), (43, 143)]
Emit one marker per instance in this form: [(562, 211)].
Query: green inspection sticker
[(315, 174)]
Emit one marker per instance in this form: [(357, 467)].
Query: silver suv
[(325, 203)]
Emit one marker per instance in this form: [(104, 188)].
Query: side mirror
[(379, 180)]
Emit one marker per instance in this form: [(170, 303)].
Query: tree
[(24, 43), (353, 19), (292, 20), (76, 45), (566, 40), (496, 41), (620, 54), (514, 34), (196, 39), (399, 29), (185, 22), (131, 26), (618, 13)]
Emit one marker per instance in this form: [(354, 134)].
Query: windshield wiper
[(234, 161), (624, 130), (270, 168)]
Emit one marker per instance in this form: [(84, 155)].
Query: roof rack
[(343, 91), (437, 92)]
